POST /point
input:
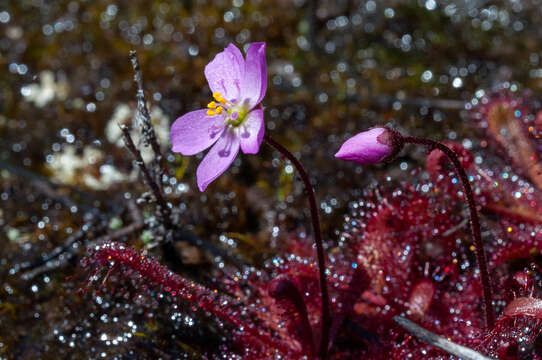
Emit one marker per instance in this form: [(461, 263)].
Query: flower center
[(236, 112), (236, 115)]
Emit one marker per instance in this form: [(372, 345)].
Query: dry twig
[(163, 207), (143, 118)]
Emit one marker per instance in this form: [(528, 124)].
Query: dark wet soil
[(335, 68)]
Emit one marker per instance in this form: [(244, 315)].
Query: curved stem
[(475, 222), (326, 317)]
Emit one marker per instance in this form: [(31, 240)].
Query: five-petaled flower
[(233, 119)]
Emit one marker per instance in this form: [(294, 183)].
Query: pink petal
[(254, 83), (251, 132), (195, 131), (225, 71), (218, 159)]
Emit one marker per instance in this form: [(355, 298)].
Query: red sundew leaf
[(132, 263), (396, 235), (524, 306), (511, 122)]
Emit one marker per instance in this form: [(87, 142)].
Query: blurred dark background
[(335, 68)]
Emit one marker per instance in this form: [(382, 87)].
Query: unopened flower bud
[(372, 146)]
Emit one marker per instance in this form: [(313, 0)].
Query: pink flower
[(371, 146), (234, 119)]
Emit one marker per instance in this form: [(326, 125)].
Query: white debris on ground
[(47, 90), (87, 167), (84, 169), (124, 114)]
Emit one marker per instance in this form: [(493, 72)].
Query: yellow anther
[(218, 97), (219, 109), (211, 112), (212, 105)]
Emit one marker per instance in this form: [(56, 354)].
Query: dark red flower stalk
[(475, 222), (317, 233)]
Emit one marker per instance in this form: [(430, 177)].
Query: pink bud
[(371, 147)]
